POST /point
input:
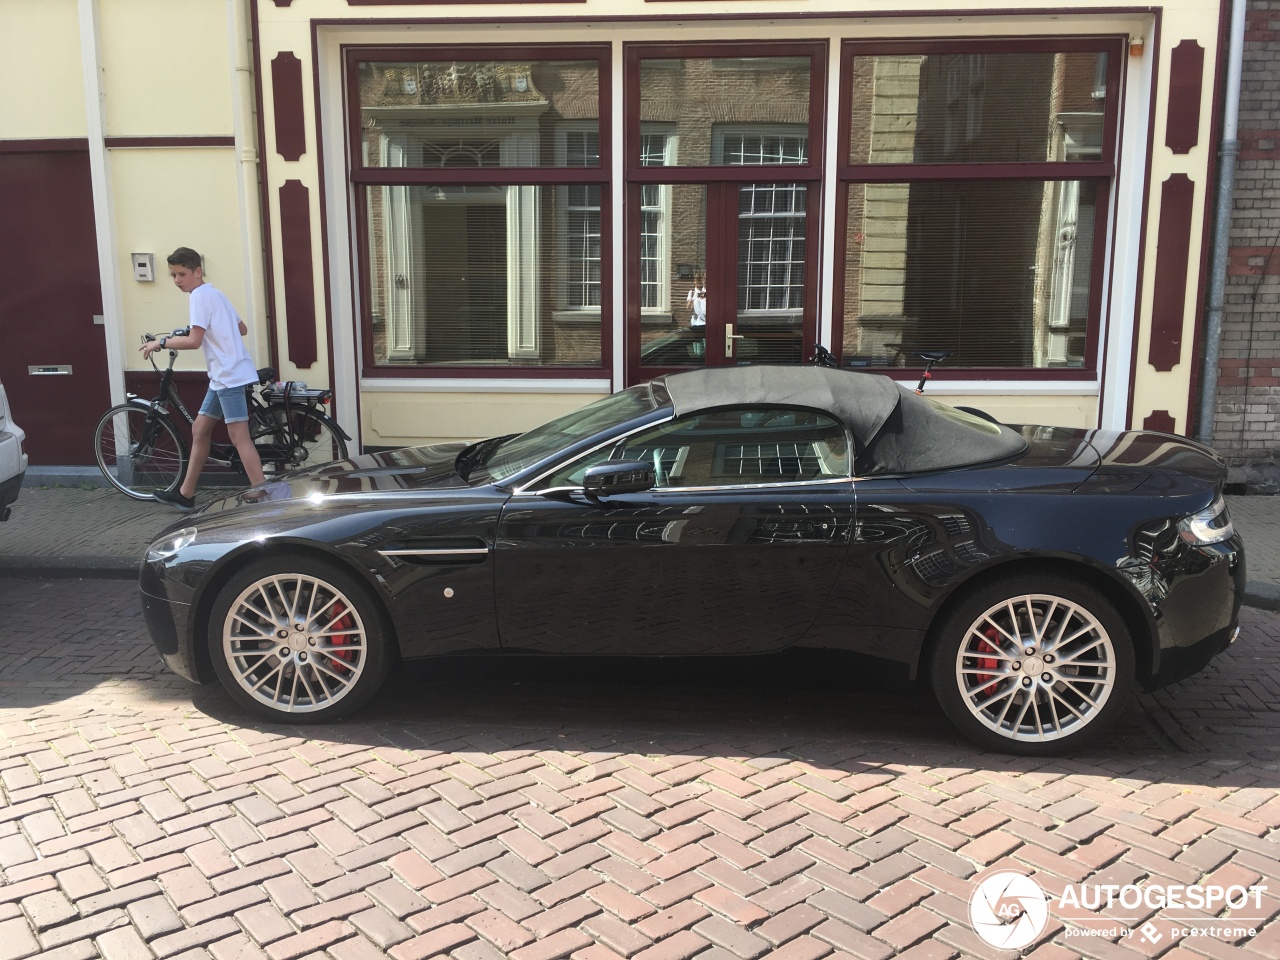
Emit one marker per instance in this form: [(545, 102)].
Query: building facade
[(470, 217)]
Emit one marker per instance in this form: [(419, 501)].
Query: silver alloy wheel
[(295, 643), (1036, 668)]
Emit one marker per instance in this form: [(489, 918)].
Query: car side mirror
[(617, 476)]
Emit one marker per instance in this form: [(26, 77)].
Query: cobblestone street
[(567, 810)]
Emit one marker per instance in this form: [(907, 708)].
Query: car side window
[(731, 447)]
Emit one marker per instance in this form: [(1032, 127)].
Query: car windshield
[(541, 442)]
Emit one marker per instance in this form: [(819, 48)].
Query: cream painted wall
[(167, 198), (403, 419), (318, 372), (273, 39), (40, 70), (1170, 390), (1070, 411), (167, 68)]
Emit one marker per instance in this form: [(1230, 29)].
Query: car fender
[(1137, 612), (226, 566)]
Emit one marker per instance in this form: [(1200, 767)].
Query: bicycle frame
[(262, 420), (222, 455)]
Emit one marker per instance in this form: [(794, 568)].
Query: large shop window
[(975, 188), (479, 178)]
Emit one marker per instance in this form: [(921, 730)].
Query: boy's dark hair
[(186, 257)]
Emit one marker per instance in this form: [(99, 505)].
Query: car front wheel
[(299, 639), (1033, 665)]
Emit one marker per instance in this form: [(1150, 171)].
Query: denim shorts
[(230, 405)]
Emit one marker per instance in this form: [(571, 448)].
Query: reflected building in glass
[(974, 232)]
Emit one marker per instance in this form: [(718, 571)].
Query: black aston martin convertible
[(1030, 574)]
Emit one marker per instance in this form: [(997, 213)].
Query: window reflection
[(975, 107), (703, 97), (441, 113), (997, 273), (485, 275), (673, 240), (734, 447)]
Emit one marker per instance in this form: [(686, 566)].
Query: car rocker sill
[(721, 488)]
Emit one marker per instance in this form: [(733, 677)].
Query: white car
[(13, 458)]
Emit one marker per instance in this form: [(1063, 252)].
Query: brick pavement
[(477, 812)]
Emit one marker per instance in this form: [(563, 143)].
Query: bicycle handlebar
[(823, 357), (180, 332), (173, 354)]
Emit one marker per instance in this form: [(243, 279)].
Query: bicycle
[(822, 357), (140, 450)]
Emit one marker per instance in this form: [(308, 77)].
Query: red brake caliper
[(987, 663), (343, 621)]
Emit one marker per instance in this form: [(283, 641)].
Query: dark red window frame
[(360, 177), (1101, 171)]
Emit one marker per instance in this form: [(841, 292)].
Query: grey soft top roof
[(898, 431)]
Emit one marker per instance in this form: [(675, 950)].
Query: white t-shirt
[(224, 351), (697, 299)]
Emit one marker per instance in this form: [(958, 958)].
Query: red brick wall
[(1248, 404)]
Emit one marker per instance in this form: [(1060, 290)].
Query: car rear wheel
[(1033, 665), (299, 639)]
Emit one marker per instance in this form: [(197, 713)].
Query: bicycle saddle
[(933, 356)]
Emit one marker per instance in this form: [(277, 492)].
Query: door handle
[(729, 337)]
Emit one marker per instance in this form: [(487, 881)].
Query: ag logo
[(1008, 910)]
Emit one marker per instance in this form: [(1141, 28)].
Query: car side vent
[(436, 550)]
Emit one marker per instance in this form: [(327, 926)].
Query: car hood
[(407, 470)]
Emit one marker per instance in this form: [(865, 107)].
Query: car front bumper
[(13, 467), (9, 493), (1201, 590), (169, 623)]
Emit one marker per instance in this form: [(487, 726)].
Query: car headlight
[(170, 545), (1210, 525)]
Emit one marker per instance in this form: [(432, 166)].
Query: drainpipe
[(1222, 225), (244, 127), (103, 208)]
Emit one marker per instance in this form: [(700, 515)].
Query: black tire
[(1067, 691), (320, 441), (324, 671), (139, 451)]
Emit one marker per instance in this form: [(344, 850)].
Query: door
[(743, 296), (723, 161), (54, 361), (734, 550)]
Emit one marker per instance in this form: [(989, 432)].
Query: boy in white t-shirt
[(217, 329), (696, 298)]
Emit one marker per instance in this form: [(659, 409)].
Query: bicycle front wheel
[(298, 441), (139, 451)]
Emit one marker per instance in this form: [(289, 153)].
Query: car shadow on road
[(849, 716), (81, 646)]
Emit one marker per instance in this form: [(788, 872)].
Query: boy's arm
[(244, 330), (190, 341)]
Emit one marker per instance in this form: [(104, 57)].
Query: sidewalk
[(80, 530)]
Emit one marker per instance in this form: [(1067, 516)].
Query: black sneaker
[(174, 498)]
